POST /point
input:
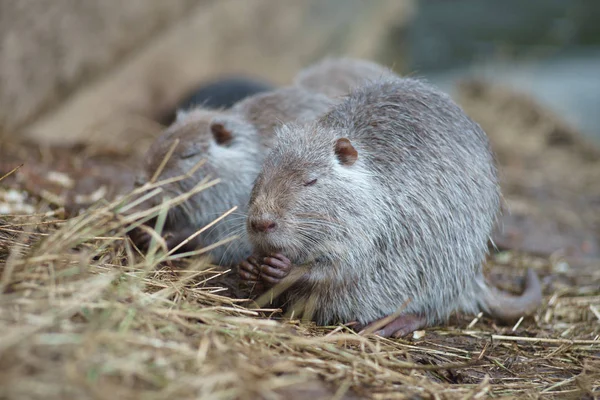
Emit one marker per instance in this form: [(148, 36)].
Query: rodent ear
[(221, 134), (345, 152)]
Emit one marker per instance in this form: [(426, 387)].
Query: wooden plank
[(49, 48), (267, 39)]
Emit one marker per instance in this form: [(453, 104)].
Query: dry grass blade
[(164, 162), (12, 171), (546, 340)]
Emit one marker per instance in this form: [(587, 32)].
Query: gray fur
[(410, 220), (237, 163), (252, 122)]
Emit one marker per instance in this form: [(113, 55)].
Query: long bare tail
[(509, 308)]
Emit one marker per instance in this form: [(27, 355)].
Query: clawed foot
[(142, 238), (265, 272), (402, 325), (174, 239)]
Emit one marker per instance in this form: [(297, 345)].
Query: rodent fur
[(336, 77), (235, 160), (252, 122), (407, 221)]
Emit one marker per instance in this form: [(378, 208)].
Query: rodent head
[(306, 193), (225, 143)]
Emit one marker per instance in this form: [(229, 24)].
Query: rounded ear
[(221, 134), (345, 152)]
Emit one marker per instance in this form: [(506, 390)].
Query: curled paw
[(274, 268)]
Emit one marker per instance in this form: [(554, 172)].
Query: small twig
[(517, 324), (11, 172), (475, 320), (336, 330), (544, 340), (198, 232), (595, 311), (558, 384), (164, 161)]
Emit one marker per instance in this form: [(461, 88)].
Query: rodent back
[(219, 95), (267, 111), (225, 93), (336, 77)]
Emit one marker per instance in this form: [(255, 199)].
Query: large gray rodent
[(232, 143), (387, 201)]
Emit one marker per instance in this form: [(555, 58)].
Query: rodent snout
[(263, 225)]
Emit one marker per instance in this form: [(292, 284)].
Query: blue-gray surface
[(548, 48), (570, 86)]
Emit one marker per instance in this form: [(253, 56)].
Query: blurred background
[(104, 74), (548, 48), (70, 65)]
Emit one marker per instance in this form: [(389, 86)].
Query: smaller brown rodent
[(387, 201), (233, 144)]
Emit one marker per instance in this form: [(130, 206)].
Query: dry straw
[(85, 316)]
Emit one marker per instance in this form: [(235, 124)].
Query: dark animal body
[(387, 201), (220, 94)]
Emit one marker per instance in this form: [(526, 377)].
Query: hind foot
[(400, 326), (142, 238)]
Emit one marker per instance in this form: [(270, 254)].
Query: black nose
[(263, 225)]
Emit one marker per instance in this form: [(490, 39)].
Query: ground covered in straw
[(84, 315)]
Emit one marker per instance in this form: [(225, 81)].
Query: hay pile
[(83, 315)]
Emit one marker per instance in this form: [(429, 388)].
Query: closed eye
[(189, 153), (311, 182)]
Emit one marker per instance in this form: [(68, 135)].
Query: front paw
[(249, 270), (140, 238), (274, 269)]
